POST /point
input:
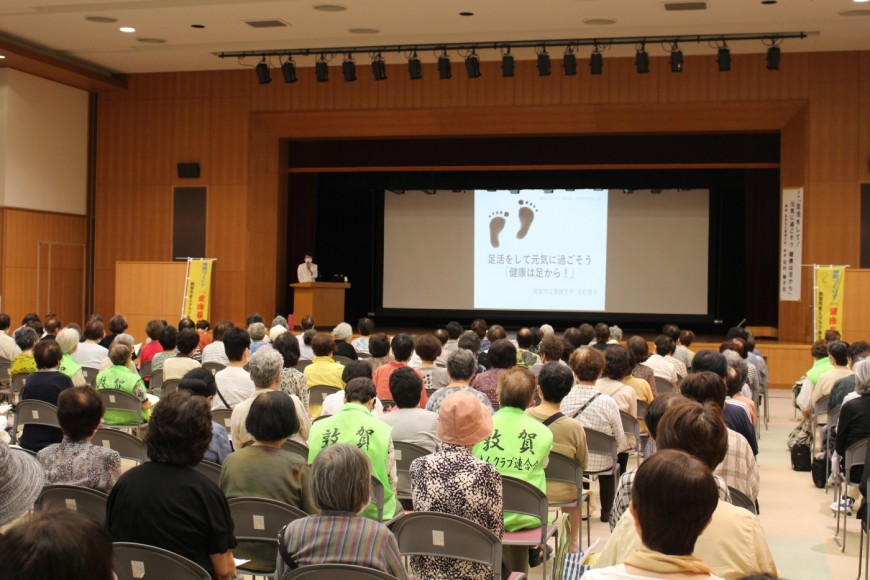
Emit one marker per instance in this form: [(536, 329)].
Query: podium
[(323, 301)]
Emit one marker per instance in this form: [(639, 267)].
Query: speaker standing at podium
[(307, 270)]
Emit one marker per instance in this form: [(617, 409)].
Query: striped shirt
[(602, 415), (342, 538)]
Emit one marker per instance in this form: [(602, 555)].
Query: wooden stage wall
[(234, 128)]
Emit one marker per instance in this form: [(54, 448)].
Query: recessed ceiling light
[(101, 19), (330, 7), (466, 13), (860, 1), (2, 56), (363, 30), (127, 29), (197, 25), (768, 2), (855, 13), (147, 40), (599, 21)]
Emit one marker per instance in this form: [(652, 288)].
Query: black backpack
[(801, 459)]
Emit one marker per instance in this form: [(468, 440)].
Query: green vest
[(355, 425), (69, 366), (518, 448), (820, 367), (120, 378)]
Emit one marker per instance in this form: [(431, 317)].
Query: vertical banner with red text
[(828, 299), (197, 289)]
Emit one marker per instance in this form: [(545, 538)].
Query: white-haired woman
[(342, 335), (68, 341), (854, 423)]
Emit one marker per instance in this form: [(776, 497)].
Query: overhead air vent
[(681, 6), (266, 23)]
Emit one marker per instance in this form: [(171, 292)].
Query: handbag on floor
[(801, 459)]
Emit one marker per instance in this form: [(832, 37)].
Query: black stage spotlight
[(676, 59), (773, 55), (543, 62), (596, 62), (288, 69), (398, 191), (641, 60), (655, 191), (444, 71), (472, 65), (348, 69), (321, 69), (723, 58), (569, 62), (429, 191), (263, 75), (415, 69), (507, 63), (379, 68)]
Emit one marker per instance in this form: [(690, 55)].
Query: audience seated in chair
[(427, 349), (127, 340), (514, 434), (263, 469), (266, 365), (334, 402), (525, 357), (89, 353), (323, 369), (59, 544), (684, 424), (259, 338), (68, 341), (308, 331), (639, 351), (201, 382), (821, 365), (461, 367), (858, 351), (453, 481), (119, 377), (554, 383), (202, 328), (8, 349), (117, 325), (355, 425), (340, 487), (602, 335), (402, 347), (342, 333), (233, 382), (175, 367), (673, 501), (165, 502), (45, 384), (379, 348), (214, 351), (735, 381), (148, 351), (75, 461), (365, 326), (854, 423), (167, 339), (20, 485), (24, 363), (410, 423), (660, 365), (502, 355), (597, 411), (292, 380)]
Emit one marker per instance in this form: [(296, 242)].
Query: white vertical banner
[(791, 244)]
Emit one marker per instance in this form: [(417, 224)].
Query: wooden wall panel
[(856, 315), (833, 131), (835, 206), (791, 81), (863, 153), (149, 290)]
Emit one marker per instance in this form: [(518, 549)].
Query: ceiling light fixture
[(379, 67), (288, 69), (543, 62), (444, 71), (676, 58), (348, 69), (127, 29), (773, 55), (472, 64), (641, 59), (507, 63), (596, 61), (321, 69), (415, 68), (263, 76), (569, 61), (723, 58)]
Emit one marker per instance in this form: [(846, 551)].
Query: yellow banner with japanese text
[(197, 289), (828, 299)]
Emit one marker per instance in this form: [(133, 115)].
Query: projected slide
[(540, 251)]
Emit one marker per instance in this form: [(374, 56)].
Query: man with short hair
[(660, 366), (266, 365), (355, 425), (858, 351), (821, 365), (838, 351), (602, 335), (683, 354), (551, 348), (52, 326), (454, 329), (402, 346), (234, 383), (175, 367), (461, 366), (323, 370), (525, 357), (410, 423), (8, 349)]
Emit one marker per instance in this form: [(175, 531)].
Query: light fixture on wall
[(348, 69), (676, 59), (507, 63), (773, 54), (415, 68), (321, 69), (596, 61), (288, 69), (472, 64), (641, 59), (263, 75), (543, 62), (569, 61), (723, 58), (444, 71), (379, 67)]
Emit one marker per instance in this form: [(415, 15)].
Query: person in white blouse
[(307, 270)]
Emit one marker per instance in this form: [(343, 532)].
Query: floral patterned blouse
[(80, 463), (293, 382), (453, 481)]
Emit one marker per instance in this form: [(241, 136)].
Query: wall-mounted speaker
[(188, 170)]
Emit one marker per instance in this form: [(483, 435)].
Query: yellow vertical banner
[(828, 299), (197, 289)]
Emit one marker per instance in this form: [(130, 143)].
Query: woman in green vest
[(68, 341), (120, 377)]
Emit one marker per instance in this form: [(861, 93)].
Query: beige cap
[(463, 419)]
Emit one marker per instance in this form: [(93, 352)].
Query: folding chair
[(364, 354), (297, 448), (5, 380), (260, 521), (117, 400), (222, 416), (631, 426), (213, 367), (833, 419), (90, 375), (72, 497), (156, 381), (211, 470), (855, 456), (663, 386), (820, 417), (449, 536), (598, 442), (405, 454), (333, 571), (388, 405), (740, 499), (378, 497), (33, 412), (145, 369), (564, 469), (127, 446), (318, 393), (136, 561), (18, 385), (170, 386), (303, 362), (524, 498), (343, 360)]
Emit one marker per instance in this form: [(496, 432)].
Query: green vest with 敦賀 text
[(355, 425), (518, 447), (69, 366), (120, 378)]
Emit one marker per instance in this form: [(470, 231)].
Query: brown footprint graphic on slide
[(527, 216), (496, 225)]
